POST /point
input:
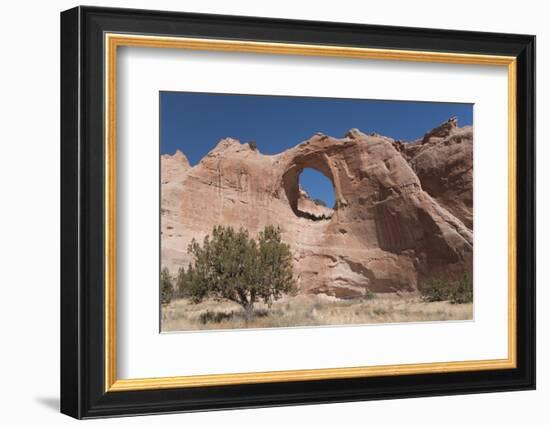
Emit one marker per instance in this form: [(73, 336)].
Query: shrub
[(434, 290), (463, 291), (166, 287), (216, 317), (252, 145), (182, 282), (369, 295), (320, 202), (231, 265), (458, 292)]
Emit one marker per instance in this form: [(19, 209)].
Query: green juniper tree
[(166, 287), (233, 266)]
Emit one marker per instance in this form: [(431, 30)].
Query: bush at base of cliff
[(456, 291), (233, 266), (166, 287)]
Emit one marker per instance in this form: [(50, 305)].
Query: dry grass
[(181, 315)]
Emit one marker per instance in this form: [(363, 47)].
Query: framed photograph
[(261, 212)]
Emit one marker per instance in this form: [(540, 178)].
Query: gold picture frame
[(114, 41)]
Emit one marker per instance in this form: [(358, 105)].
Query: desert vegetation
[(166, 287), (457, 291), (230, 265), (238, 281), (310, 310)]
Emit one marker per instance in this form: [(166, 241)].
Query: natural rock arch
[(296, 197), (385, 235)]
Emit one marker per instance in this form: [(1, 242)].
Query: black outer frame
[(82, 220)]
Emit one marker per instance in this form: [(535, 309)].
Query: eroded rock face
[(443, 161), (387, 232)]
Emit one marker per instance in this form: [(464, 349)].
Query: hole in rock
[(316, 197)]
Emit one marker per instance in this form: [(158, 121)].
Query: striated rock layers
[(403, 211)]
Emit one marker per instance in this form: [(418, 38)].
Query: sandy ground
[(181, 315)]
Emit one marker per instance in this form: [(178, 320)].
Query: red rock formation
[(443, 161), (386, 233), (310, 209)]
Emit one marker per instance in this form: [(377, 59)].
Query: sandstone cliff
[(403, 210), (443, 161)]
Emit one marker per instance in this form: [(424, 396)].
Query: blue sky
[(195, 122)]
